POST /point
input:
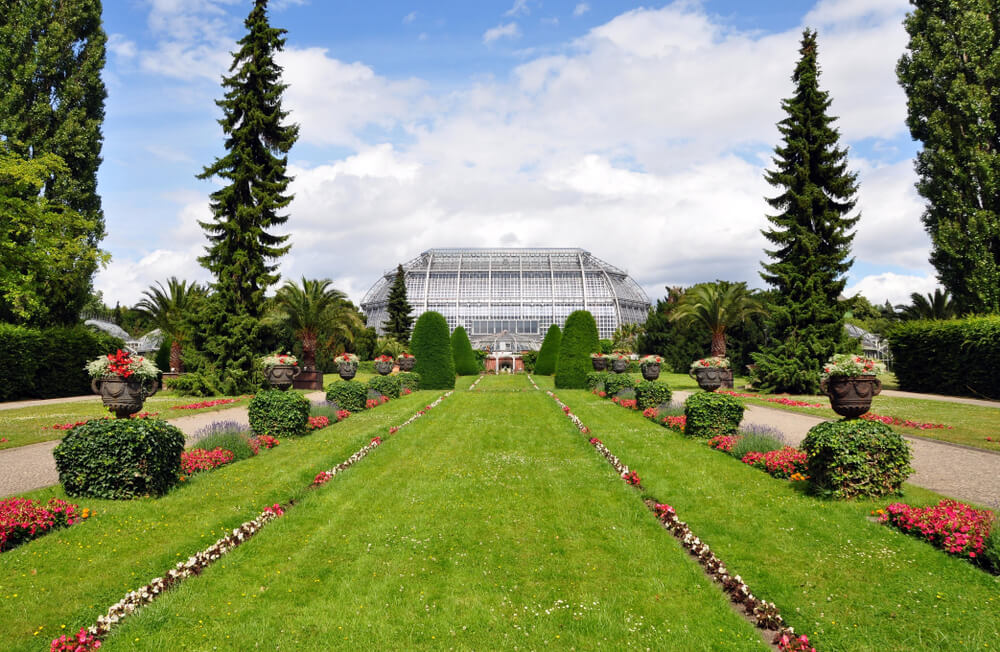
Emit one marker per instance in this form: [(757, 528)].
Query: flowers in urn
[(716, 361), (385, 358), (848, 364), (346, 358), (404, 355), (124, 365), (599, 355), (276, 359), (650, 359)]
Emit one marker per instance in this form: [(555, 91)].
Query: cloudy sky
[(639, 133)]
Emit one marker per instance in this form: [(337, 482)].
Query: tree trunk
[(176, 363), (719, 344), (308, 350)]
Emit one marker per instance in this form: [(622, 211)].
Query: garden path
[(32, 467), (13, 405), (939, 397)]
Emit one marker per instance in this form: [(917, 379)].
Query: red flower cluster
[(565, 409), (23, 519), (780, 463), (275, 509), (406, 391), (143, 415), (267, 441), (675, 423), (956, 527), (120, 364), (316, 423), (723, 442), (393, 430), (375, 402), (650, 412), (791, 643), (322, 478), (342, 414), (199, 459), (205, 404), (906, 423), (782, 400), (631, 478), (384, 358), (64, 426), (377, 441), (594, 441), (84, 641)]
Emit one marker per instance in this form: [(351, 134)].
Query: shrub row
[(710, 415)]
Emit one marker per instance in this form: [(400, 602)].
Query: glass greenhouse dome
[(513, 293)]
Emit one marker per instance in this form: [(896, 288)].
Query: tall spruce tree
[(242, 251), (811, 235), (950, 75), (400, 320), (52, 96)]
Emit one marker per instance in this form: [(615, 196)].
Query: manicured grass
[(487, 524), (361, 377), (836, 576), (71, 576)]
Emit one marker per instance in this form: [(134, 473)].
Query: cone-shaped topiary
[(579, 340), (461, 351), (545, 365), (431, 346)]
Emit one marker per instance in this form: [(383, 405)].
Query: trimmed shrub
[(579, 340), (709, 414), (120, 459), (597, 379), (957, 356), (545, 365), (409, 380), (854, 457), (651, 393), (194, 383), (615, 383), (386, 385), (461, 351), (431, 345), (349, 395), (277, 413)]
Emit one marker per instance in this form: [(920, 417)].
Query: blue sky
[(639, 133)]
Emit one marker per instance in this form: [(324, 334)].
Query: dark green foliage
[(950, 74), (48, 363), (52, 103), (409, 380), (364, 343), (579, 340), (549, 353), (400, 321), (606, 347), (990, 559), (431, 346), (651, 393), (162, 356), (120, 458), (194, 383), (615, 383), (529, 359), (235, 440), (678, 344), (958, 357), (242, 251), (277, 413), (811, 235), (597, 379), (855, 457), (389, 386), (710, 414), (349, 395), (461, 351)]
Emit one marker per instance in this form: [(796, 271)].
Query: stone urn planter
[(122, 395), (651, 371), (282, 376), (709, 378), (384, 367), (600, 364), (619, 365), (347, 370), (851, 396), (406, 364)]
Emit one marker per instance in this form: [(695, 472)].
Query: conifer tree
[(811, 235), (400, 321), (432, 349), (950, 76), (579, 339), (461, 351), (242, 249), (52, 96), (545, 364)]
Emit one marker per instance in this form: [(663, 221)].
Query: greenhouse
[(510, 297)]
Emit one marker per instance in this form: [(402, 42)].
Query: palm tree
[(167, 307), (625, 336), (314, 309), (389, 346), (717, 306), (934, 306)]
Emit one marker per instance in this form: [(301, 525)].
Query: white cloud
[(409, 18), (581, 9), (121, 46), (519, 8), (507, 30), (894, 288)]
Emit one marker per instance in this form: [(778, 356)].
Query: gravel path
[(13, 405), (938, 397)]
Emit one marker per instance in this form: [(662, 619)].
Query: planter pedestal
[(851, 396), (309, 379)]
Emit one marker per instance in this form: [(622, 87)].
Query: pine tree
[(461, 351), (242, 251), (811, 235), (950, 76), (52, 103), (398, 325), (545, 364)]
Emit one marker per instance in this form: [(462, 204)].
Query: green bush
[(956, 357), (120, 458), (409, 380), (162, 356), (651, 393), (854, 457), (277, 413), (431, 345), (579, 340), (389, 386), (548, 355), (615, 383), (461, 351), (349, 395), (596, 379), (529, 359), (194, 383), (990, 559), (710, 414)]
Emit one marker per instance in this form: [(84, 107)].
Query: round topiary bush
[(409, 380), (651, 393), (431, 345), (461, 351), (710, 414), (388, 386), (579, 340), (277, 413), (349, 395), (856, 458), (545, 364), (120, 458)]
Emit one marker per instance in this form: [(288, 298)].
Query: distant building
[(510, 297)]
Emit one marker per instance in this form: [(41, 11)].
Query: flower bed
[(317, 423), (678, 423), (24, 519), (723, 442), (781, 400), (905, 423), (782, 463), (375, 402), (955, 527), (205, 404), (197, 459)]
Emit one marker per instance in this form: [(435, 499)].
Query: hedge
[(652, 393), (461, 352), (545, 365), (956, 357), (852, 458), (278, 413), (709, 414), (49, 363), (579, 340), (349, 395), (388, 386), (408, 380), (431, 345)]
